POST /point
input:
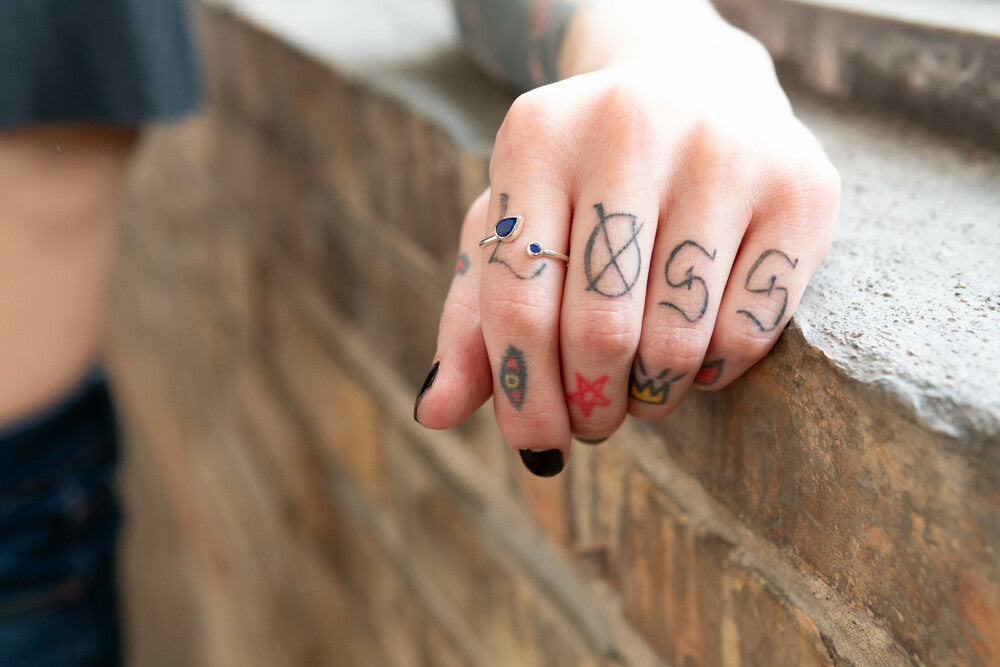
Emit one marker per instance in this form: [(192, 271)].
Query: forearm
[(534, 42)]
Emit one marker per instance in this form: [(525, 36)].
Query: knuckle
[(517, 316), (682, 348), (531, 120), (626, 113), (750, 343), (608, 333), (808, 189)]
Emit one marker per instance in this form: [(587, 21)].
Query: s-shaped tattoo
[(685, 255), (772, 261)]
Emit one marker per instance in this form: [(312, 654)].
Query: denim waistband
[(58, 515)]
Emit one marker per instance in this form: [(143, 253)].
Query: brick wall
[(285, 257)]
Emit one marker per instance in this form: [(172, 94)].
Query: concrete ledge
[(846, 491), (935, 61)]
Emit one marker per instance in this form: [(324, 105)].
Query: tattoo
[(462, 265), (689, 279), (588, 394), (497, 247), (770, 286), (648, 388), (612, 260), (514, 376), (710, 372), (519, 40)]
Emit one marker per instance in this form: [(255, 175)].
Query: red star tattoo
[(588, 394)]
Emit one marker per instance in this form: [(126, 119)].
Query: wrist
[(603, 35)]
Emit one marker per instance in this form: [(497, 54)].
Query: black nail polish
[(589, 441), (544, 464), (423, 390)]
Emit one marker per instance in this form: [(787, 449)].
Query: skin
[(694, 207), (60, 187)]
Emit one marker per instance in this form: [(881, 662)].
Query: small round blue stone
[(504, 227), (536, 248)]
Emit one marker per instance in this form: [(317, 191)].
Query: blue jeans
[(58, 523)]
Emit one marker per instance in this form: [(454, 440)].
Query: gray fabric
[(119, 61)]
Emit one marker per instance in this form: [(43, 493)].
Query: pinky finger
[(460, 379)]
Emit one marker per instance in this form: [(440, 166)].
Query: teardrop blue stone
[(505, 227)]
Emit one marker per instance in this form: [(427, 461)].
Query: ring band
[(535, 249), (506, 229)]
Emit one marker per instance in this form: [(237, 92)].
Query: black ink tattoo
[(500, 246), (709, 372), (648, 388), (678, 258), (514, 376), (518, 40), (616, 255), (770, 286), (462, 265)]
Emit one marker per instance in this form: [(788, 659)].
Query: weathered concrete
[(839, 504), (936, 62)]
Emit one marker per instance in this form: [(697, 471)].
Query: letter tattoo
[(501, 249), (514, 376), (612, 260), (648, 388), (698, 303), (588, 395), (768, 286)]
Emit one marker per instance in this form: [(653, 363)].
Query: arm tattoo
[(648, 387), (612, 260), (501, 248), (772, 261), (514, 376), (683, 255), (518, 40)]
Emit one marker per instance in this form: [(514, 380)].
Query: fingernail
[(423, 390), (544, 464), (590, 441)]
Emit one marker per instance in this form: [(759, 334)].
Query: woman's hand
[(694, 208)]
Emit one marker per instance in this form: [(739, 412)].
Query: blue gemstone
[(536, 248), (505, 227)]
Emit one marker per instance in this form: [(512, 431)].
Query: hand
[(694, 208)]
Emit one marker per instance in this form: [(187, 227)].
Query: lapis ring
[(506, 229), (535, 249)]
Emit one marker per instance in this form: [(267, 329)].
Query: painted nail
[(423, 390), (544, 464), (589, 441)]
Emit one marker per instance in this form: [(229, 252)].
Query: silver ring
[(536, 250), (506, 229)]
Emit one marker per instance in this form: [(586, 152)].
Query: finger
[(520, 298), (613, 229), (696, 244), (786, 241), (460, 378)]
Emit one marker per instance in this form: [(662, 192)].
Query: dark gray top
[(118, 61)]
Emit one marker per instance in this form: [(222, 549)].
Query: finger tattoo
[(514, 376), (686, 254), (770, 264), (648, 387), (612, 260)]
